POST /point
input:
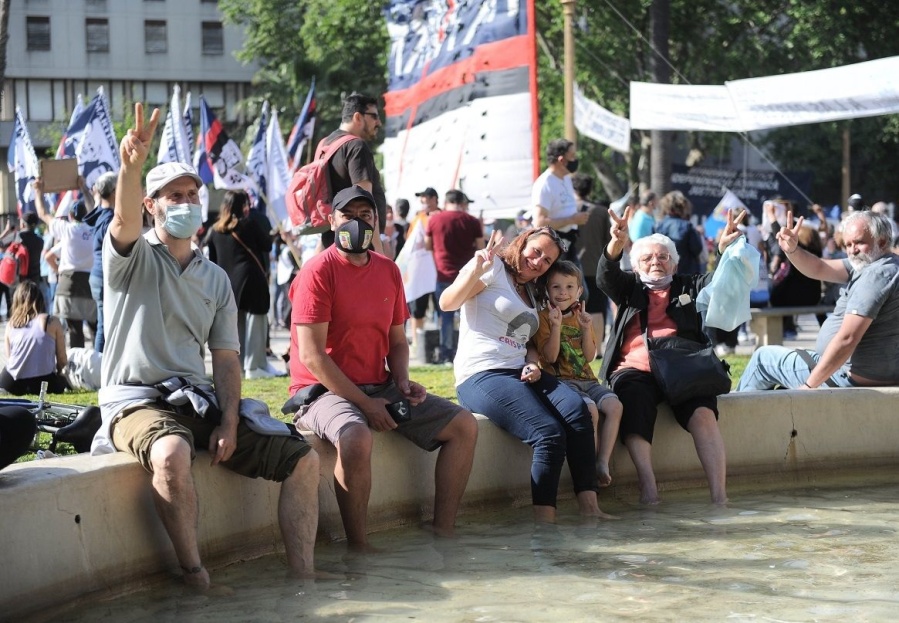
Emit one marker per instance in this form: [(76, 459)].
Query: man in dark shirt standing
[(354, 163), (34, 244), (594, 237)]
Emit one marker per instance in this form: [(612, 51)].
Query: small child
[(566, 345)]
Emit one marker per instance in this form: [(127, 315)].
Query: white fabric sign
[(682, 107), (601, 125)]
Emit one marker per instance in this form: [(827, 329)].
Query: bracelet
[(192, 570)]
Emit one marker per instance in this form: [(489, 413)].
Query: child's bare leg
[(611, 419)]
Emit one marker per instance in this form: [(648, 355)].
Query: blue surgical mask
[(183, 220), (655, 284)]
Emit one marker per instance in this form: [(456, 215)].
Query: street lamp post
[(568, 12)]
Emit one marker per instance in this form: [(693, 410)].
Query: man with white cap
[(165, 304)]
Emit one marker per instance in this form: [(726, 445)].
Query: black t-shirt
[(352, 163), (34, 244)]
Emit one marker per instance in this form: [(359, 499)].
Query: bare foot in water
[(603, 476), (589, 506), (363, 548), (315, 575), (439, 532), (196, 578)]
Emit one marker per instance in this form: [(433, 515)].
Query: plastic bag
[(725, 300)]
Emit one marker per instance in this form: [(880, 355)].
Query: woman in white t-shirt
[(497, 373)]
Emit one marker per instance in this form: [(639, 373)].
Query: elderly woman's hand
[(620, 237), (730, 232)]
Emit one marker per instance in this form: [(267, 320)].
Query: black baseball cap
[(427, 192), (343, 198), (456, 196)]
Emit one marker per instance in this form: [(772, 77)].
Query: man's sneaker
[(723, 349), (258, 373)]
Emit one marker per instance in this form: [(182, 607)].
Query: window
[(96, 30), (213, 38), (38, 34), (155, 37)]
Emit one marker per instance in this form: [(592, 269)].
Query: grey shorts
[(591, 391), (329, 415)]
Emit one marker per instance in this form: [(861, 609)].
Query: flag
[(22, 161), (302, 130), (256, 166), (174, 145), (93, 135), (188, 119), (222, 153), (416, 263), (66, 148), (277, 171), (718, 218), (204, 170)]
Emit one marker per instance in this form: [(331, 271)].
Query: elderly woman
[(497, 373), (667, 304)]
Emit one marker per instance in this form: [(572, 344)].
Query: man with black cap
[(165, 304), (348, 312), (73, 302), (453, 235)]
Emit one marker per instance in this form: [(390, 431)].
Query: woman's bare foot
[(196, 578), (544, 514), (604, 478)]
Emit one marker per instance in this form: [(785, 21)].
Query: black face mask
[(354, 236), (571, 165)]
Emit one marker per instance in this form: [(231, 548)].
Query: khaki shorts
[(329, 415), (271, 457)]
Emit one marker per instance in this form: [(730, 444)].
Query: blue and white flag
[(174, 146), (95, 142), (256, 166), (277, 171), (66, 148), (188, 118), (22, 161), (302, 130)]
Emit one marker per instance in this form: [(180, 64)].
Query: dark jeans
[(548, 416)]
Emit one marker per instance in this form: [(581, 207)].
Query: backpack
[(309, 193), (14, 264)]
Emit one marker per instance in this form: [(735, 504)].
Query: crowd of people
[(533, 301)]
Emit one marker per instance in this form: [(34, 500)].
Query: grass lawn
[(438, 380)]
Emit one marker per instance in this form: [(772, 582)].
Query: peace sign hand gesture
[(135, 145), (731, 232), (788, 236), (484, 257), (620, 237)]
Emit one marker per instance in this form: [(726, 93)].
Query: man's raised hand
[(135, 145), (788, 236)]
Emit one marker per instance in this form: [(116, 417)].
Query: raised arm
[(126, 224), (808, 264), (469, 283), (620, 237)]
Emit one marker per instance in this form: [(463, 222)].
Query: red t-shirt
[(360, 303), (453, 235), (660, 324)]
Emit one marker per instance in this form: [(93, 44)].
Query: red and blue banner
[(461, 106)]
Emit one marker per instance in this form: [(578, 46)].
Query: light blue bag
[(725, 300)]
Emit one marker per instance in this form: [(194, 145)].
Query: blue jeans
[(771, 366), (548, 416), (447, 324), (96, 283)]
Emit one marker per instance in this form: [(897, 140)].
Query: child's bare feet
[(602, 474)]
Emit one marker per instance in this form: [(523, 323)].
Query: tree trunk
[(4, 39), (660, 158), (606, 177)]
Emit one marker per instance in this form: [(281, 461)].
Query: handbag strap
[(250, 253)]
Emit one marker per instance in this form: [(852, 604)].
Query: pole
[(568, 12), (846, 168)]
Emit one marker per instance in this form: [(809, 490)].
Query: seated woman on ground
[(667, 303), (35, 345), (497, 373)]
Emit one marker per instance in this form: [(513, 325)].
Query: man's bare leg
[(453, 468), (175, 496), (641, 454), (298, 514), (352, 483), (710, 448)]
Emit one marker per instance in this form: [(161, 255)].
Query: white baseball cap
[(162, 174)]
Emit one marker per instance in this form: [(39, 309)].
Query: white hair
[(641, 244)]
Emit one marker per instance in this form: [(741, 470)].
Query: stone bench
[(767, 322), (78, 525)]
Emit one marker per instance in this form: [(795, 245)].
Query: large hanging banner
[(600, 124), (861, 90), (461, 106)]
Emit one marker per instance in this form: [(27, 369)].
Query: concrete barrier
[(77, 525)]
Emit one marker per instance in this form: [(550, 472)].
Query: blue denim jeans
[(548, 416), (96, 284), (447, 324), (771, 366)]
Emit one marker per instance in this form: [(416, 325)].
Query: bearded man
[(858, 345)]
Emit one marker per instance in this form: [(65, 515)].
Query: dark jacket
[(686, 240), (248, 279), (626, 291)]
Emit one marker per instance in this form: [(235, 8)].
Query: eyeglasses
[(373, 115), (553, 234), (662, 257)]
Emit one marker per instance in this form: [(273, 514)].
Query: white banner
[(601, 125), (861, 90)]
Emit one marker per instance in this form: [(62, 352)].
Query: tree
[(4, 38)]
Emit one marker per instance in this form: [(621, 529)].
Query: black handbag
[(685, 369)]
